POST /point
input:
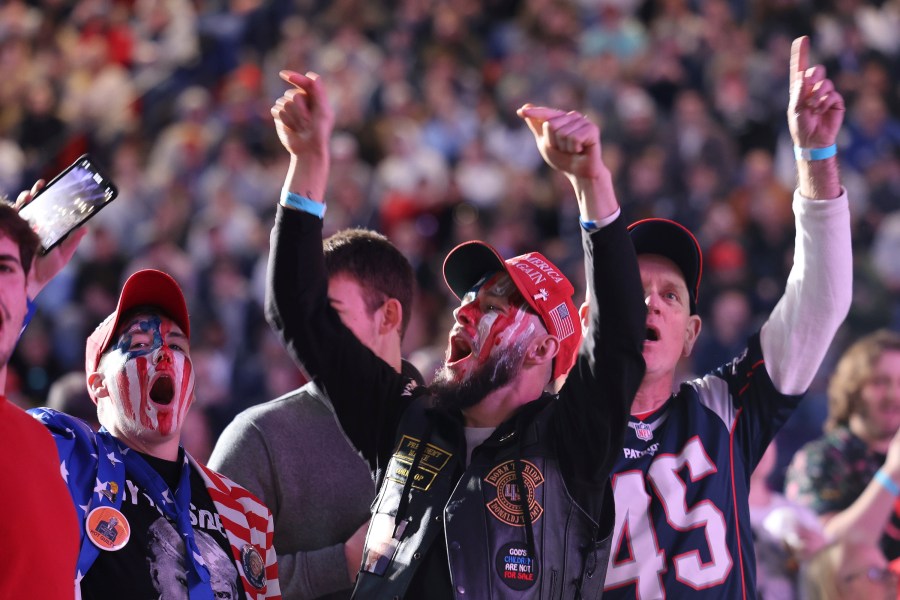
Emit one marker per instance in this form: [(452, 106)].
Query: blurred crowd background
[(172, 97)]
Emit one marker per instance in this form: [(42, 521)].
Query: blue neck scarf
[(176, 509)]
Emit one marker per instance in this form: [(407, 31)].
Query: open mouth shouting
[(459, 350), (162, 391), (652, 334)]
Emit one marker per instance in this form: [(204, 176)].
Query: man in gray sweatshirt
[(292, 453)]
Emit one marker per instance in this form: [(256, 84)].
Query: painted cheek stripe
[(148, 412), (123, 380), (484, 331), (187, 385)]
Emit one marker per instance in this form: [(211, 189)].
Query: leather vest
[(479, 513)]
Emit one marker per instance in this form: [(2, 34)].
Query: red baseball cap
[(148, 287), (675, 242), (546, 290)]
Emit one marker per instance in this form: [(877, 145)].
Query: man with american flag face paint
[(132, 479), (143, 386)]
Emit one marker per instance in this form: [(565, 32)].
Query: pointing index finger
[(799, 57)]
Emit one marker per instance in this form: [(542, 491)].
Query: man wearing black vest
[(490, 487)]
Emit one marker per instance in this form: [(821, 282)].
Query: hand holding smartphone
[(70, 199)]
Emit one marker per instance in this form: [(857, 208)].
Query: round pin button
[(107, 528)]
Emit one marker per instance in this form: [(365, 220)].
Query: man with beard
[(132, 476), (489, 486)]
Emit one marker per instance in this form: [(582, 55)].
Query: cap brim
[(466, 264), (675, 242), (155, 289)]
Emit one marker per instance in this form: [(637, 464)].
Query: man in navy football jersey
[(682, 518)]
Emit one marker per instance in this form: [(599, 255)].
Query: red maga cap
[(546, 290), (675, 242), (150, 288)]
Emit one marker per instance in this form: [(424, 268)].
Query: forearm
[(596, 196), (308, 177), (819, 179), (314, 573), (610, 365), (865, 519), (296, 283), (817, 296)]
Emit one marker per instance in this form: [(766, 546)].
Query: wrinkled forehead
[(661, 266)]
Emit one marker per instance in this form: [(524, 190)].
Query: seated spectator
[(851, 476)]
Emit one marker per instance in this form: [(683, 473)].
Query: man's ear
[(542, 350), (691, 332), (391, 316), (97, 386)]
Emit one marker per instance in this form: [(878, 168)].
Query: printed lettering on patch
[(515, 567), (507, 505), (430, 464)]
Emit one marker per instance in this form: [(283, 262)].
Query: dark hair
[(375, 264), (18, 230)]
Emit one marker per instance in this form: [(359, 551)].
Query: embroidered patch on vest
[(254, 567), (433, 460), (507, 506), (515, 567)]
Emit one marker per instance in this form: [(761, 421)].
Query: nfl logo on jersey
[(642, 431)]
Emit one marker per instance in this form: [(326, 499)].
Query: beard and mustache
[(497, 371)]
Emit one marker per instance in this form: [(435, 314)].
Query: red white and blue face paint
[(491, 318), (150, 377)]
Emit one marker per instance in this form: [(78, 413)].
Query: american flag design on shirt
[(248, 525), (562, 321), (92, 468)]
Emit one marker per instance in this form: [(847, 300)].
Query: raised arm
[(818, 291), (362, 387), (297, 309), (601, 386), (304, 121)]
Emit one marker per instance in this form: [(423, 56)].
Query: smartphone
[(70, 199)]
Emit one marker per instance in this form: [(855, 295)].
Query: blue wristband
[(815, 153), (887, 483), (302, 203), (588, 226)]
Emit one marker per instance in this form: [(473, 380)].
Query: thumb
[(526, 112)]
